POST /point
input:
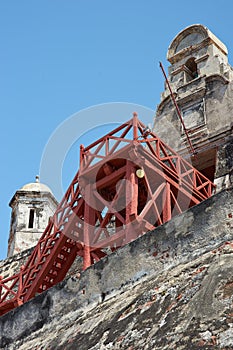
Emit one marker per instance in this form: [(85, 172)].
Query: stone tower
[(32, 206), (202, 82)]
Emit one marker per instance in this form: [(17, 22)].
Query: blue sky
[(58, 57)]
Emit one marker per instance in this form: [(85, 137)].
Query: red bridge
[(129, 182)]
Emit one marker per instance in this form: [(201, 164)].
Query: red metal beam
[(107, 206)]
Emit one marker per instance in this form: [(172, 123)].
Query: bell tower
[(32, 205), (202, 83)]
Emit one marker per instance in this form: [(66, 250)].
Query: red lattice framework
[(129, 182)]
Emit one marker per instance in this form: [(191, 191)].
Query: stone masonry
[(169, 289)]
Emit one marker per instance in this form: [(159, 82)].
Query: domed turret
[(36, 186), (32, 205)]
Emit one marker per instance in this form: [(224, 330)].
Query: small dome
[(36, 186)]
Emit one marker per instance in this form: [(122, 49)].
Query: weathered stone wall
[(169, 289), (206, 104), (11, 265), (224, 166)]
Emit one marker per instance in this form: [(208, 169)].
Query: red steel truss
[(129, 182)]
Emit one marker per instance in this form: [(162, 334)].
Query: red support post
[(81, 157), (88, 227), (131, 194), (167, 203), (135, 126)]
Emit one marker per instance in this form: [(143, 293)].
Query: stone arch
[(190, 36)]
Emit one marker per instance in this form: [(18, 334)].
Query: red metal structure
[(129, 182)]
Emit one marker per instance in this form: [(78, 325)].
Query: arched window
[(190, 69)]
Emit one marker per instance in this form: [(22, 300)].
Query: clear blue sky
[(58, 57)]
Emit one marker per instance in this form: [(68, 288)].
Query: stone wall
[(170, 289), (11, 265), (224, 166)]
